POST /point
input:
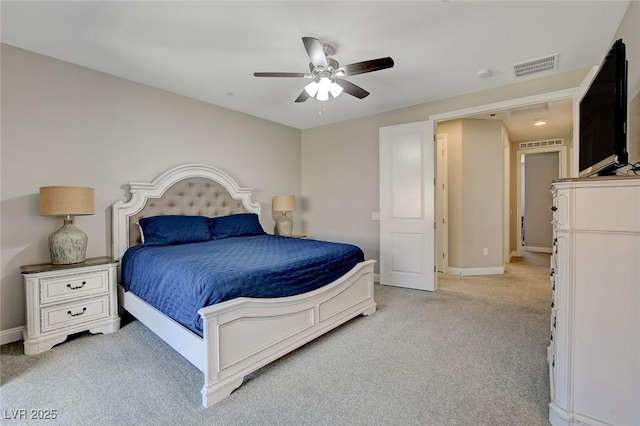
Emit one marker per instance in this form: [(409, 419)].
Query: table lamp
[(284, 204), (68, 244)]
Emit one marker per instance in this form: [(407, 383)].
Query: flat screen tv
[(603, 117)]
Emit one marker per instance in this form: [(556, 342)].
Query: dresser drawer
[(78, 312), (72, 286)]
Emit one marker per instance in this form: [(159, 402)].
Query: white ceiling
[(208, 50), (558, 116)]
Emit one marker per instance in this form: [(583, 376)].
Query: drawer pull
[(553, 271), (551, 337), (553, 304), (554, 208), (78, 314), (75, 288)]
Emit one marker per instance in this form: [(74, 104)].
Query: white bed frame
[(243, 334)]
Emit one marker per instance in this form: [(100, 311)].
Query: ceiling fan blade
[(315, 51), (351, 88), (281, 74), (366, 66), (303, 96)]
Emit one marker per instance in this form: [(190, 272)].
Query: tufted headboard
[(191, 197), (191, 189)]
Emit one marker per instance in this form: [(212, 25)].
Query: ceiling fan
[(326, 72)]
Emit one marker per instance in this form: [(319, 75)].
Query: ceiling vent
[(540, 144), (536, 65)]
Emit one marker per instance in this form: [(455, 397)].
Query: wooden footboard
[(244, 334)]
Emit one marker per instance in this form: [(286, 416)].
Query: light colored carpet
[(472, 353)]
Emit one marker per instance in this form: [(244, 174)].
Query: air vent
[(535, 66), (540, 144)]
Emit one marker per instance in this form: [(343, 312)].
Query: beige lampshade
[(66, 200), (284, 203)]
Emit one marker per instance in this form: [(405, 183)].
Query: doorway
[(509, 243), (538, 171)]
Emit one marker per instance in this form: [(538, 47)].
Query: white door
[(407, 220)]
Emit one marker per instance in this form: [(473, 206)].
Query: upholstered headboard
[(191, 189), (191, 197)]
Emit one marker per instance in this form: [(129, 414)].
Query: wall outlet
[(375, 216), (485, 251)]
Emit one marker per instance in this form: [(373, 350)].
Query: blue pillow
[(236, 225), (173, 229)]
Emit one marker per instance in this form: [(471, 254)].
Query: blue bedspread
[(180, 279)]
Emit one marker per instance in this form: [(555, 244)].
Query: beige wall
[(482, 171), (340, 168), (475, 176), (335, 156), (67, 125), (64, 124)]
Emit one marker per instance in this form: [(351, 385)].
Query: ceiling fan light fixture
[(322, 95), (324, 86), (335, 89), (312, 88)]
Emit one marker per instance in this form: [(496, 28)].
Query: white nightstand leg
[(33, 347), (106, 328)]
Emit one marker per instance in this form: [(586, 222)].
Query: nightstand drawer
[(68, 314), (67, 299), (72, 286)]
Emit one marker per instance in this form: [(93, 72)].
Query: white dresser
[(67, 299), (594, 352)]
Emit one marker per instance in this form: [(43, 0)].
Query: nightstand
[(67, 299)]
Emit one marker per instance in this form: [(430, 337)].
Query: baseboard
[(558, 417), (538, 249), (11, 335), (494, 270), (513, 254), (509, 256)]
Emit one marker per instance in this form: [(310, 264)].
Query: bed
[(238, 335)]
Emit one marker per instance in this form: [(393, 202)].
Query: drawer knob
[(77, 287), (78, 314), (554, 208)]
